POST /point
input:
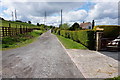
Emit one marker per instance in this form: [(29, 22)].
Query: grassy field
[(70, 44), (115, 78), (14, 24), (20, 40)]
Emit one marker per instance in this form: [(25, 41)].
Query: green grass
[(70, 44), (5, 23), (20, 40), (115, 78)]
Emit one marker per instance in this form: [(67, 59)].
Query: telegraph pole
[(15, 15), (45, 18), (61, 17), (12, 16)]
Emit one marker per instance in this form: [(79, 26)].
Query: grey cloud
[(39, 8)]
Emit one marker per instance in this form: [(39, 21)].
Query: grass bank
[(115, 78), (70, 44), (20, 40)]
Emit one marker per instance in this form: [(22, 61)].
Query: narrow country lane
[(44, 58)]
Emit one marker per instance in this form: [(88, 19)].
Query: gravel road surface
[(94, 64), (44, 58)]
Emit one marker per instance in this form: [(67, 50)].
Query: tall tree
[(75, 26), (93, 24), (38, 24), (64, 26), (29, 22)]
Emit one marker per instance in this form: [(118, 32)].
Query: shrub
[(85, 37), (74, 27), (58, 31), (110, 31)]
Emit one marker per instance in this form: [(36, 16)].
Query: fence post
[(3, 32), (98, 40), (20, 29), (16, 30), (26, 29), (9, 30)]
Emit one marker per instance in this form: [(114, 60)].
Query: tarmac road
[(44, 58)]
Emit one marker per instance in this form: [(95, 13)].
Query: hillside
[(6, 23)]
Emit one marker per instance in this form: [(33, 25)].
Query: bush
[(85, 37), (110, 31), (58, 31), (74, 27)]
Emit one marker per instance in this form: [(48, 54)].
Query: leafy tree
[(38, 24), (64, 26), (18, 21), (75, 26), (29, 22), (1, 18)]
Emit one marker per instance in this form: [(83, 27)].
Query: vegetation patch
[(70, 44), (109, 31), (115, 78), (20, 40), (84, 37)]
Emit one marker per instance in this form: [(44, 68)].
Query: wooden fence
[(10, 31)]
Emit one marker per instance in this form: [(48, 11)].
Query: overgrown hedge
[(110, 31), (85, 37)]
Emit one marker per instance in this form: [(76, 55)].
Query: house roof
[(84, 25)]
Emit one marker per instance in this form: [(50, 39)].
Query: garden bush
[(85, 37), (110, 31)]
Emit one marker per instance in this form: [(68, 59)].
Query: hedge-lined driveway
[(44, 58)]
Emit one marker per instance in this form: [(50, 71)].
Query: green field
[(70, 44), (20, 40), (16, 24)]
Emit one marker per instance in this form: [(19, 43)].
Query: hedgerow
[(85, 37)]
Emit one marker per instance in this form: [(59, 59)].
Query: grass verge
[(70, 44), (115, 78), (19, 40)]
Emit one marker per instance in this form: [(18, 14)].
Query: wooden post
[(3, 34), (5, 31), (9, 30), (98, 40), (16, 30), (20, 29)]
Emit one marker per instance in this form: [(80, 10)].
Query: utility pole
[(45, 18), (15, 15), (61, 17), (12, 16)]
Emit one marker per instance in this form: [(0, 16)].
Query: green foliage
[(70, 44), (74, 27), (38, 24), (64, 26), (8, 42), (85, 37), (115, 78), (17, 24), (109, 30), (29, 22)]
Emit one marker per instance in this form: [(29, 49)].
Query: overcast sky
[(104, 13)]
